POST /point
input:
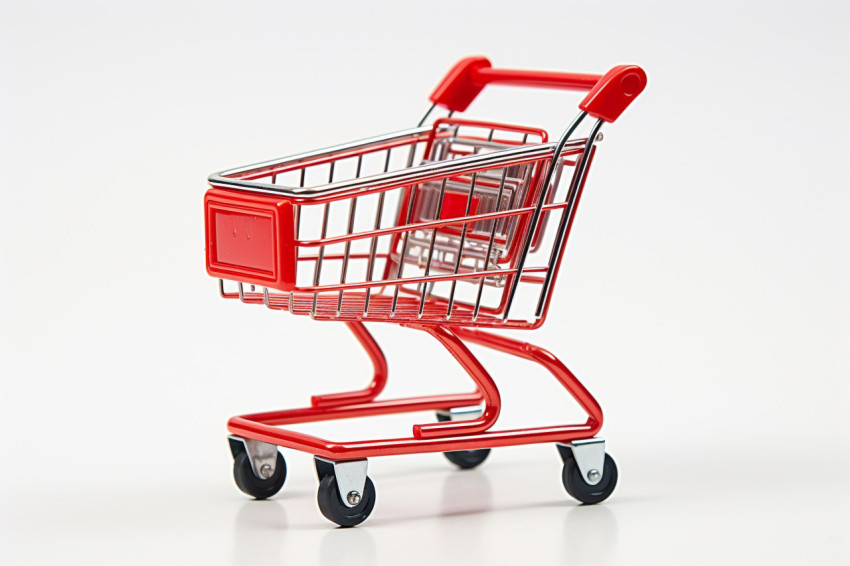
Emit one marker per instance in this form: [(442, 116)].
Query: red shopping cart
[(449, 228)]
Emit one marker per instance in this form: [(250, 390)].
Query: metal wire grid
[(399, 253)]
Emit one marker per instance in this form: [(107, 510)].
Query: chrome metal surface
[(318, 273), (459, 252), (487, 255), (452, 250), (350, 478), (566, 218), (478, 146), (405, 240), (353, 498), (590, 457), (431, 246), (263, 456), (373, 247), (409, 176), (310, 155), (473, 209), (535, 217), (462, 413), (425, 117), (352, 209)]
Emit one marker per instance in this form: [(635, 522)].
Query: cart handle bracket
[(607, 96)]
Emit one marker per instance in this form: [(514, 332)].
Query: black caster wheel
[(579, 489), (254, 486), (467, 459), (336, 511), (464, 459)]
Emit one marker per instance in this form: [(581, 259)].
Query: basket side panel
[(249, 238)]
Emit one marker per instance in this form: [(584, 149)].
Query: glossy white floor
[(511, 510)]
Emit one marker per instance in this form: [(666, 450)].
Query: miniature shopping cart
[(449, 228)]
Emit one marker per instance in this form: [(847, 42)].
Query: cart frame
[(250, 199)]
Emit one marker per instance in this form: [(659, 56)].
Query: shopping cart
[(451, 227)]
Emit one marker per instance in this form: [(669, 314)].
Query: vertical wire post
[(431, 246), (321, 256), (460, 245)]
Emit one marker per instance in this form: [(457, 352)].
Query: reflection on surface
[(259, 530), (500, 515), (590, 535), (466, 496), (464, 492), (351, 547)]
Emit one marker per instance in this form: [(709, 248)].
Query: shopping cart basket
[(451, 227)]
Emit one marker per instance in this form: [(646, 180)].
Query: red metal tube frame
[(469, 435), (483, 381), (608, 95), (379, 381)]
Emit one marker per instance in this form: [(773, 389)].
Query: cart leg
[(589, 474), (548, 360), (487, 388), (379, 361)]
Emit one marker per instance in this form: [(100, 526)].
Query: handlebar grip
[(608, 95), (613, 93)]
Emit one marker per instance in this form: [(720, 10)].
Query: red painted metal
[(379, 361), (469, 76), (609, 94), (482, 379), (543, 357), (451, 436)]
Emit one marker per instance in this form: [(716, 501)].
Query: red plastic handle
[(608, 95)]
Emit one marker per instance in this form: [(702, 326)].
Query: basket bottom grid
[(352, 307)]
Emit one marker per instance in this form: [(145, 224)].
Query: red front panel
[(250, 238), (244, 239)]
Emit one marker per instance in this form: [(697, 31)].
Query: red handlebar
[(608, 94)]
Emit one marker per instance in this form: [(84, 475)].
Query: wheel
[(579, 489), (467, 459), (464, 459), (254, 486), (333, 508)]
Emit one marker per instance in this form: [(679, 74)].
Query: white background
[(704, 298)]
